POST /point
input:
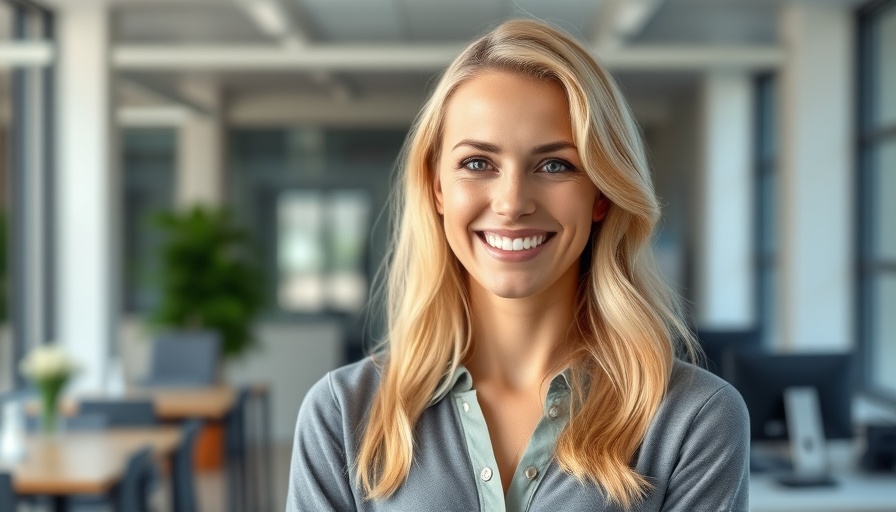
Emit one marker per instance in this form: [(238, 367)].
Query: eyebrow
[(492, 148)]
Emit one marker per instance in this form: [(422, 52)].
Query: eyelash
[(465, 163)]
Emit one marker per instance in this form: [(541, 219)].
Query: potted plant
[(206, 281)]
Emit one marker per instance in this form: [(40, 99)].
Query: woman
[(530, 360)]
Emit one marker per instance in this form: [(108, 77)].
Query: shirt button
[(466, 407), (553, 412), (531, 472), (485, 474)]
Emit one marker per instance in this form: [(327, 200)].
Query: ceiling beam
[(167, 94), (618, 21), (360, 58)]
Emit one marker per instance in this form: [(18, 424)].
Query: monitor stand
[(807, 442)]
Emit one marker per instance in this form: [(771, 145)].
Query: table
[(85, 462), (856, 490), (209, 403)]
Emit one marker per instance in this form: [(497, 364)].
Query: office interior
[(770, 127)]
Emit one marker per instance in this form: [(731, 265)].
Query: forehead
[(507, 104)]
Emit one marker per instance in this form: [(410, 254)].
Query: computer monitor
[(716, 343), (761, 378)]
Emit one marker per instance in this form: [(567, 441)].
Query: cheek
[(461, 202)]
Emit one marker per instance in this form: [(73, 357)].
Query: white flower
[(48, 362)]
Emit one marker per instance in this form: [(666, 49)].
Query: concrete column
[(88, 270), (724, 271), (816, 170), (200, 159)]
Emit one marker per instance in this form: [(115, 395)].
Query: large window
[(877, 194), (766, 154), (26, 184), (149, 161), (312, 199), (6, 369)]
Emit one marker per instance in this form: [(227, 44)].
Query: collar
[(460, 381)]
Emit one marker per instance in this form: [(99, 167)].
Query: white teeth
[(514, 244)]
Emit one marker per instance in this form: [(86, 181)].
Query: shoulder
[(695, 391), (347, 388), (698, 404), (702, 423)]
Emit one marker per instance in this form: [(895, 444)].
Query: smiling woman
[(532, 353)]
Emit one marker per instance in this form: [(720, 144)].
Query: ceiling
[(288, 29)]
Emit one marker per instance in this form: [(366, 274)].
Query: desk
[(85, 462), (855, 490), (208, 403)]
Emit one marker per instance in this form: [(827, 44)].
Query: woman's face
[(516, 205)]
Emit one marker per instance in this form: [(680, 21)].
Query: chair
[(77, 423), (184, 358), (183, 482), (121, 413), (235, 453), (7, 494), (132, 492), (100, 414)]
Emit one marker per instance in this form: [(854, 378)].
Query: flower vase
[(49, 405)]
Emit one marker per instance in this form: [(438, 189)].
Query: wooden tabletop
[(210, 403), (86, 462), (171, 404)]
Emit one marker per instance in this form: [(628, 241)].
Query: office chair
[(121, 413), (183, 482), (7, 494), (184, 358), (235, 450), (132, 493)]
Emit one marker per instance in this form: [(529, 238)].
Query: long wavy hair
[(628, 326)]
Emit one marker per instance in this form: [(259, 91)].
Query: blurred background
[(170, 167)]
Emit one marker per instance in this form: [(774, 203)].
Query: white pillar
[(87, 191), (724, 270), (200, 169), (816, 170)]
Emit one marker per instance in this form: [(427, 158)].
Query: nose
[(513, 195)]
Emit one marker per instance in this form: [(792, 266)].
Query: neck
[(520, 343)]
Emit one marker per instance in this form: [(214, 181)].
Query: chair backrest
[(77, 423), (132, 493), (183, 482), (185, 358), (121, 413), (7, 494), (235, 425)]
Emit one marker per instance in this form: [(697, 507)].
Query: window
[(321, 241), (877, 195), (6, 369), (149, 162), (311, 199), (27, 180), (766, 154)]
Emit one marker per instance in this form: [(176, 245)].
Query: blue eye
[(475, 164), (555, 166)]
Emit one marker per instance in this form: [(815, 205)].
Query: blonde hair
[(628, 321)]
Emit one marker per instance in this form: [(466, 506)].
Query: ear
[(437, 192), (601, 207)]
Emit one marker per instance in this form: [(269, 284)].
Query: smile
[(505, 243)]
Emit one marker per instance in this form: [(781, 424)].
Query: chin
[(511, 289)]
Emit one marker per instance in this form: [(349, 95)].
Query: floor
[(211, 488)]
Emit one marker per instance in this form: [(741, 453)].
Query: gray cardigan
[(695, 453)]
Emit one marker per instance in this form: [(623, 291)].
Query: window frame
[(869, 137)]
